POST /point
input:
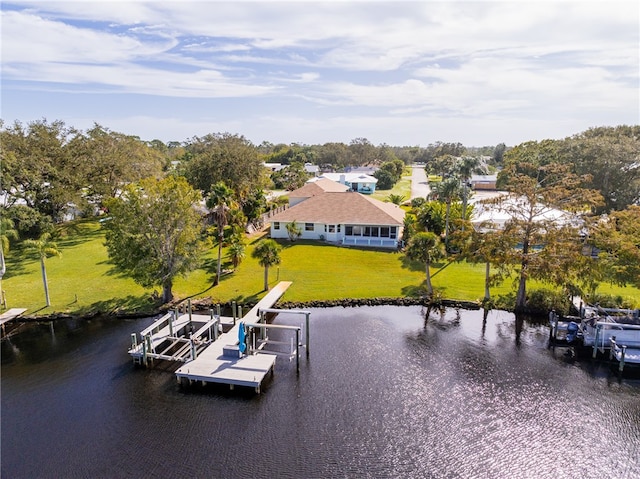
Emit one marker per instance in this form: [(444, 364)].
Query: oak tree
[(154, 232), (544, 211)]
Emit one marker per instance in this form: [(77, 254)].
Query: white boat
[(616, 331)]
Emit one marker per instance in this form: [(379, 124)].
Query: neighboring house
[(355, 181), (367, 170), (274, 166), (495, 215), (484, 182), (343, 217), (311, 169)]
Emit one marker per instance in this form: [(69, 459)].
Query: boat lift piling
[(307, 314)]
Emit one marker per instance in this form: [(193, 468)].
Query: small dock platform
[(223, 363), (10, 315)]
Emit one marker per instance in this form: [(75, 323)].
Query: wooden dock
[(10, 315), (221, 362)]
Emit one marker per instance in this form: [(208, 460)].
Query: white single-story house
[(355, 181), (495, 215), (343, 217), (311, 169)]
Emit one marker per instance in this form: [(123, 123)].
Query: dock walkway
[(222, 363), (10, 315)]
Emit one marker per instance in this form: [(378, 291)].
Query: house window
[(357, 231), (374, 231), (308, 226), (339, 228), (348, 230), (276, 225), (367, 231), (393, 232), (332, 228), (384, 231)]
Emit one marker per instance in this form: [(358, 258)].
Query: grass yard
[(402, 187), (82, 280)]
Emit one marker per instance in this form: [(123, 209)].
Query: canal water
[(384, 394)]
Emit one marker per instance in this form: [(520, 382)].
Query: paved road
[(419, 183)]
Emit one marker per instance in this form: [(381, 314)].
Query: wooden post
[(239, 312), (218, 310), (144, 352), (134, 340), (612, 347), (171, 315), (253, 338), (307, 330), (189, 306), (193, 347), (623, 354), (297, 350)]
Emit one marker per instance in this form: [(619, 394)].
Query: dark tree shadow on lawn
[(74, 235), (419, 266), (15, 263)]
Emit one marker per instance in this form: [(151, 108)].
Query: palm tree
[(268, 254), (237, 252), (293, 230), (7, 233), (395, 199), (425, 247), (465, 167), (219, 201), (45, 248), (446, 191)]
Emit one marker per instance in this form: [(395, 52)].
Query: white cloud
[(29, 39), (337, 63)]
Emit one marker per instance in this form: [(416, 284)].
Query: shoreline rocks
[(204, 304)]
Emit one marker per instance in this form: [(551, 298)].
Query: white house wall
[(322, 232)]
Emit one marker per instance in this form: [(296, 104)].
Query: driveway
[(419, 182)]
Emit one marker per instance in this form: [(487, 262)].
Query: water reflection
[(387, 392)]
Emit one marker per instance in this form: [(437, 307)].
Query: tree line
[(149, 189), (573, 212)]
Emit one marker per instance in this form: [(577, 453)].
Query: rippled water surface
[(383, 394)]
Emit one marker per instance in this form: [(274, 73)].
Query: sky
[(397, 73)]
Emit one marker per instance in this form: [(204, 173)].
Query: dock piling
[(297, 350), (306, 330)]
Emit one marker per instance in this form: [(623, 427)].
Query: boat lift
[(258, 342)]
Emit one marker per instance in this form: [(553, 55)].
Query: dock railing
[(630, 333)]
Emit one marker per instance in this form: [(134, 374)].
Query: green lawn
[(402, 187), (83, 281)]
